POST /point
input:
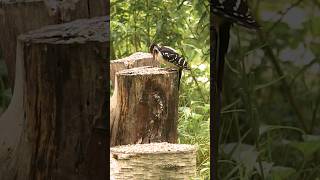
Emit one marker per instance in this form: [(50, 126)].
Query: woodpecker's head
[(154, 49)]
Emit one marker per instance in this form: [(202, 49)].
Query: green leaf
[(242, 153), (281, 172), (306, 148), (310, 137)]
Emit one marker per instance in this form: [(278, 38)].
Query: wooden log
[(65, 85), (137, 59), (16, 18), (153, 161), (20, 16), (144, 106)]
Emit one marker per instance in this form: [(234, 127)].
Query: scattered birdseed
[(153, 148), (144, 70), (134, 57)]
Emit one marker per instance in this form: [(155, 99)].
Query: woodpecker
[(169, 56), (226, 12)]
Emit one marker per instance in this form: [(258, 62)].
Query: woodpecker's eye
[(151, 49)]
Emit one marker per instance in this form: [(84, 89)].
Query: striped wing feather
[(236, 11), (173, 57)]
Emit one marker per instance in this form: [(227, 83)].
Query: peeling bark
[(21, 16), (64, 97), (144, 106)]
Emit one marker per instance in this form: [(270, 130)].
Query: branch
[(286, 89), (283, 13)]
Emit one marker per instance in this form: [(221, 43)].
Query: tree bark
[(153, 161), (65, 85), (144, 106), (17, 17)]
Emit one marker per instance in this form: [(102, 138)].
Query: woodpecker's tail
[(180, 73), (219, 34), (222, 48)]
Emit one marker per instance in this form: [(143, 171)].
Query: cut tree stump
[(153, 161), (20, 16), (137, 59), (64, 72), (144, 106)]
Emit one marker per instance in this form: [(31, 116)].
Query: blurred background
[(183, 25), (270, 126)]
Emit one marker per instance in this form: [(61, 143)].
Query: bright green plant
[(183, 25)]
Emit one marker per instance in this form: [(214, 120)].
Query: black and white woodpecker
[(169, 56), (225, 13)]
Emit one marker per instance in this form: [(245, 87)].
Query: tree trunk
[(64, 103), (144, 106), (153, 161), (17, 17)]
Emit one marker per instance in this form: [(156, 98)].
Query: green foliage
[(183, 25), (261, 134)]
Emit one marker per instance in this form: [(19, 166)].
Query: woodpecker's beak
[(154, 53)]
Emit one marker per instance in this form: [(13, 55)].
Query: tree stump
[(64, 103), (20, 16), (137, 59), (153, 161), (144, 106)]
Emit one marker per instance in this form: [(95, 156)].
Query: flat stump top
[(18, 1), (133, 57), (154, 148), (77, 31), (145, 70)]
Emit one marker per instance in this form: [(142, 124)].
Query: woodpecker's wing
[(236, 11), (170, 48), (173, 57)]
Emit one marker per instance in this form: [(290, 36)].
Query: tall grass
[(183, 25), (270, 123)]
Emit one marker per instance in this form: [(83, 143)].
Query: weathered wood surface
[(144, 106), (12, 119), (153, 161), (65, 76), (20, 16), (137, 59)]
